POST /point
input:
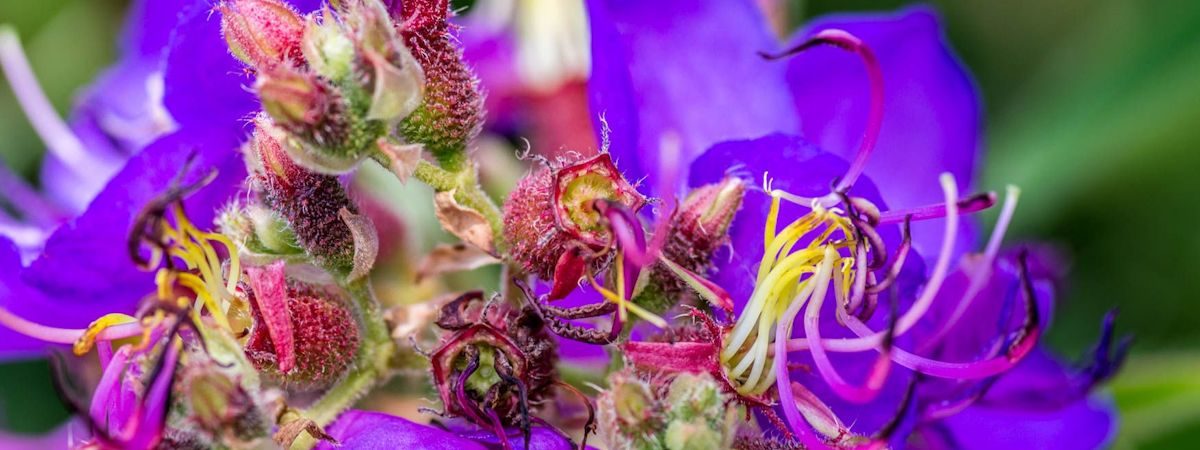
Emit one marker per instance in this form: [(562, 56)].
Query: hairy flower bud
[(262, 33), (688, 412), (324, 220), (324, 334), (327, 48), (452, 112), (552, 211), (304, 105), (702, 224), (223, 408)]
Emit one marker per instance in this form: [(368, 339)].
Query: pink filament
[(812, 334), (783, 382), (972, 204), (923, 303), (57, 335), (849, 42), (980, 275), (109, 384), (54, 132)]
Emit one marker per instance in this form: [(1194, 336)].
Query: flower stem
[(467, 192), (370, 365)]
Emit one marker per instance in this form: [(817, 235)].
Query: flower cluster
[(834, 304)]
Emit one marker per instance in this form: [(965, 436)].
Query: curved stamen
[(982, 272), (897, 261), (968, 205), (812, 333), (1022, 344), (59, 138), (57, 335), (846, 41), (923, 303)]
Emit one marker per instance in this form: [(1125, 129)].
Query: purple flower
[(364, 430), (916, 107), (204, 95)]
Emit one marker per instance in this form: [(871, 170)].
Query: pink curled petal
[(692, 357), (270, 296), (110, 381), (967, 205)]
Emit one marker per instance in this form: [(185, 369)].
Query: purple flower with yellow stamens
[(874, 345)]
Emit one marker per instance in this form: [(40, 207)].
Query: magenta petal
[(932, 113), (270, 295), (683, 67), (365, 430)]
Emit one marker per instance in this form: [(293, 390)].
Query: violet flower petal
[(90, 252), (682, 67), (205, 85), (366, 430), (932, 111)]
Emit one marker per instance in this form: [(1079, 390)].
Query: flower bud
[(224, 409), (691, 413), (323, 331), (452, 111), (702, 224), (552, 211), (262, 33), (324, 220), (327, 48), (304, 105), (393, 77)]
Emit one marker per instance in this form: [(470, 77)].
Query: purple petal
[(365, 430), (85, 270), (1087, 424), (148, 25), (682, 67), (932, 113), (205, 85)]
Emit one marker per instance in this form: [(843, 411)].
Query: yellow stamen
[(786, 278), (88, 340)]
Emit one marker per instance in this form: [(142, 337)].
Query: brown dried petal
[(464, 223)]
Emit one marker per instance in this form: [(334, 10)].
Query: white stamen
[(59, 138)]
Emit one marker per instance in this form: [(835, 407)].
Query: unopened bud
[(262, 33), (219, 405), (329, 51), (306, 106), (452, 111), (702, 224), (324, 220)]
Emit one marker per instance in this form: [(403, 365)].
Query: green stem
[(467, 192), (370, 365)]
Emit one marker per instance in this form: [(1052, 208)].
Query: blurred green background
[(1093, 108)]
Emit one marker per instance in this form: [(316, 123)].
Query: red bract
[(323, 331)]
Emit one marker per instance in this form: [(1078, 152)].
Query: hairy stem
[(467, 192)]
